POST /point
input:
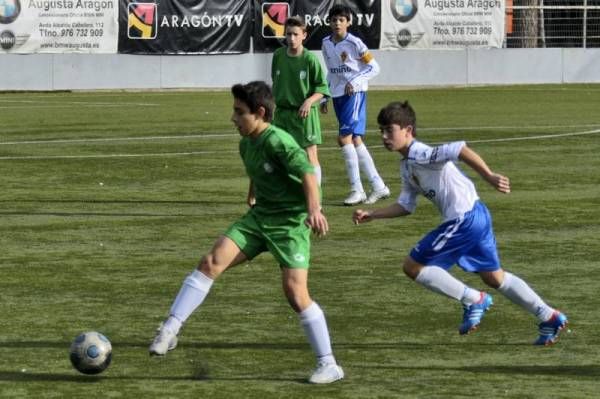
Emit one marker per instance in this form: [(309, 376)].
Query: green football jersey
[(296, 78), (275, 164)]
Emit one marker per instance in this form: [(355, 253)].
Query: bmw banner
[(58, 26), (185, 26), (442, 24)]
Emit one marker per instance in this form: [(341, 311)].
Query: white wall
[(399, 68)]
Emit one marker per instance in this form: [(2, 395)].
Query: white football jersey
[(348, 61), (432, 171)]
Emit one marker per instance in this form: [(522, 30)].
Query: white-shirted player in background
[(350, 65), (465, 236)]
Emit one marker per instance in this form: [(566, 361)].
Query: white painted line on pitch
[(107, 139), (229, 135), (175, 154)]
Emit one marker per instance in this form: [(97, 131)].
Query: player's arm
[(392, 211), (307, 104), (471, 158), (315, 219), (251, 199), (370, 70)]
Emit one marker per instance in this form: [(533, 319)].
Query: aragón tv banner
[(185, 27), (442, 24), (270, 17), (58, 26)]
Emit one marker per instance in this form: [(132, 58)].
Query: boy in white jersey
[(465, 236), (350, 65)]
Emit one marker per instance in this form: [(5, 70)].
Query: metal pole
[(585, 23), (542, 24)]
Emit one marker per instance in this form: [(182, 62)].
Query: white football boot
[(326, 373), (375, 196), (165, 340), (355, 198)]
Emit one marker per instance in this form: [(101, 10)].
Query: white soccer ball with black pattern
[(91, 352)]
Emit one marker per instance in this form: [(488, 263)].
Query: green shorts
[(285, 236), (306, 131)]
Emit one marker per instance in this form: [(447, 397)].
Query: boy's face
[(294, 36), (246, 122), (339, 25), (395, 137)]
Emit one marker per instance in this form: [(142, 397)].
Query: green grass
[(109, 199)]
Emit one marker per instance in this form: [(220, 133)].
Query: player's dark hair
[(295, 22), (340, 10), (255, 94), (399, 113)]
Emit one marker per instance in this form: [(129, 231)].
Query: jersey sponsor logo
[(340, 69), (268, 167), (302, 75)]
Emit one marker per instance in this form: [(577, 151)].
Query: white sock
[(315, 328), (318, 173), (439, 280), (352, 169), (517, 290), (191, 295), (368, 166)]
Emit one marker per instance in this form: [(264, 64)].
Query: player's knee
[(492, 279), (411, 269), (209, 267)]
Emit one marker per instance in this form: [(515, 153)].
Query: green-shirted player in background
[(299, 83), (284, 207)]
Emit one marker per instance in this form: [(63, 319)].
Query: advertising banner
[(185, 27), (59, 26), (442, 24), (270, 18)]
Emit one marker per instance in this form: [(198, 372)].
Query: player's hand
[(349, 89), (317, 222), (304, 109), (361, 216), (500, 182), (323, 107)]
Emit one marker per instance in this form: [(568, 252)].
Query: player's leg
[(224, 254), (519, 292), (439, 250), (344, 111), (289, 242), (365, 160), (312, 318)]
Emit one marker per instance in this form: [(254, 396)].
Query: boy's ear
[(261, 111)]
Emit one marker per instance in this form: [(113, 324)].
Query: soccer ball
[(91, 352)]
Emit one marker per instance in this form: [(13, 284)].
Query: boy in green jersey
[(299, 83), (284, 207)]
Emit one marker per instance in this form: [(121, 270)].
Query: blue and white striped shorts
[(468, 241)]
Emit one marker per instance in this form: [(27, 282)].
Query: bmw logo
[(403, 10), (9, 11)]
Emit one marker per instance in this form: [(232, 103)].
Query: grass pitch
[(109, 199)]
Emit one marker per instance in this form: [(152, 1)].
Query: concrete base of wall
[(398, 68)]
